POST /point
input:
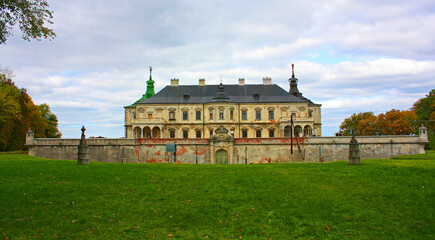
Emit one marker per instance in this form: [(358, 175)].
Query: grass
[(380, 199)]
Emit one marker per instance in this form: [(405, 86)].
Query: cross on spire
[(151, 70), (293, 70)]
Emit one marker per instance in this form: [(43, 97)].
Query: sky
[(350, 56)]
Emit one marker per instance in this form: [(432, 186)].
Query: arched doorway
[(156, 132), (308, 131), (298, 131), (221, 157), (287, 131), (147, 132), (137, 132)]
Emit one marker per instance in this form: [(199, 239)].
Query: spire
[(294, 84), (293, 70), (150, 86), (150, 89)]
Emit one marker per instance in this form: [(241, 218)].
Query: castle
[(225, 124), (246, 110)]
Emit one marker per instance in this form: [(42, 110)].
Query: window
[(244, 115), (150, 116), (198, 115), (171, 115), (198, 133), (185, 115), (185, 134), (211, 133), (221, 114), (258, 115), (310, 113), (244, 133), (271, 115), (271, 133), (231, 114), (258, 133), (172, 134), (287, 131), (211, 114), (186, 98)]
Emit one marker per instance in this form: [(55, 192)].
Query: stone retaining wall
[(245, 150)]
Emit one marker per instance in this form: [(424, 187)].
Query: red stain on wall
[(264, 160), (158, 153), (154, 160), (181, 150), (267, 140), (170, 140)]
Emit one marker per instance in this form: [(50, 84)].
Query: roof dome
[(221, 96)]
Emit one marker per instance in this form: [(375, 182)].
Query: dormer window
[(186, 98), (256, 96)]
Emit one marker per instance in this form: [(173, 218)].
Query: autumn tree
[(367, 126), (18, 114), (351, 123), (31, 15), (393, 122)]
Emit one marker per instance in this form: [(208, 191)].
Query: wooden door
[(221, 157)]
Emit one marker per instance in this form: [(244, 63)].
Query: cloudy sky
[(350, 56)]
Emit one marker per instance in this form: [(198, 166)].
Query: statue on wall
[(354, 153), (83, 150)]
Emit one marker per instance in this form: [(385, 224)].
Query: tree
[(351, 123), (9, 109), (368, 126), (31, 15), (19, 113), (393, 122), (425, 110), (50, 119)]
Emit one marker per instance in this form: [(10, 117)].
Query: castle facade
[(246, 110)]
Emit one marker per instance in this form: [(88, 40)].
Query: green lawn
[(380, 199)]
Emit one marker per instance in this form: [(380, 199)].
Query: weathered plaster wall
[(244, 150)]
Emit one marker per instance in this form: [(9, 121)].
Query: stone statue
[(354, 153), (83, 150)]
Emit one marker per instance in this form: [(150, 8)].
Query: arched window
[(308, 131), (298, 131), (287, 131), (156, 132), (147, 132)]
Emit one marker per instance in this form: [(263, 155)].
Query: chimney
[(267, 81), (174, 82), (241, 81), (201, 82)]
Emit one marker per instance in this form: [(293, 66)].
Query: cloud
[(276, 51), (350, 56)]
